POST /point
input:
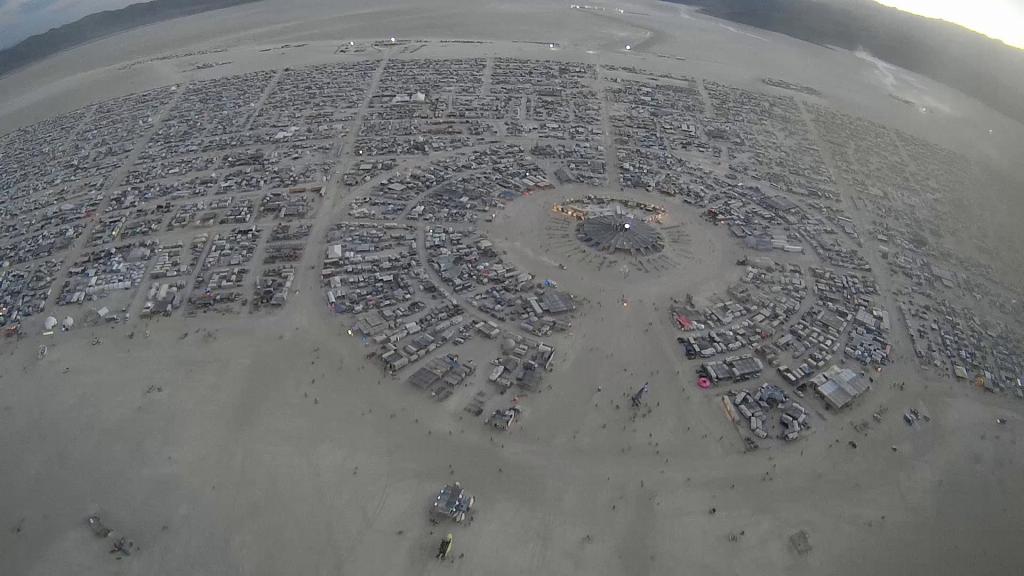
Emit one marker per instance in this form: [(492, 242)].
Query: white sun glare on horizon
[(999, 19)]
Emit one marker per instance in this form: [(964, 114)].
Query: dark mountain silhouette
[(972, 63), (100, 24)]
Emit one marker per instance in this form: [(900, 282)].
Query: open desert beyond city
[(663, 294)]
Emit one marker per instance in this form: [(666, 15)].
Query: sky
[(1000, 19)]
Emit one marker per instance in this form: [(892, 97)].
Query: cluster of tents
[(51, 323)]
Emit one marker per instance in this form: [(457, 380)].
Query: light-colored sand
[(263, 455)]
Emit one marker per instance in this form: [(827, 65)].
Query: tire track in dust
[(652, 36)]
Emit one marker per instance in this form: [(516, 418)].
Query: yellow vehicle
[(446, 546)]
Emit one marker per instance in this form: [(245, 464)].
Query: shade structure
[(620, 232)]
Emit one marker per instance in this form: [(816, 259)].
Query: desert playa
[(664, 294)]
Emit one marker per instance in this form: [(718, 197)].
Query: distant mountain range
[(100, 24), (976, 65)]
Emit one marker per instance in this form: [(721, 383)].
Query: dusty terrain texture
[(269, 444)]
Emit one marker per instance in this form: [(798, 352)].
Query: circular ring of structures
[(620, 232)]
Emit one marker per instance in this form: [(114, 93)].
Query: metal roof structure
[(842, 387), (555, 302), (430, 374), (745, 367)]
